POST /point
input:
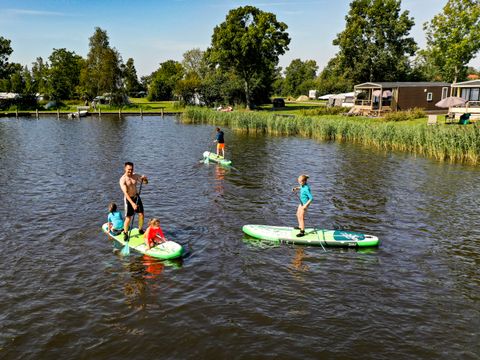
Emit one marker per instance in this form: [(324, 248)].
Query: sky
[(152, 32)]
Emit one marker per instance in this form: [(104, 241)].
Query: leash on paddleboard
[(306, 215), (126, 249)]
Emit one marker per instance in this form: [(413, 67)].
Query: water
[(66, 292)]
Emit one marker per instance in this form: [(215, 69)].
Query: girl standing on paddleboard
[(306, 199)]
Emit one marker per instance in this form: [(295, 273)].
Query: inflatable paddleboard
[(166, 250), (209, 156), (312, 236)]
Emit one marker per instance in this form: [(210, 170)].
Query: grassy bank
[(451, 143)]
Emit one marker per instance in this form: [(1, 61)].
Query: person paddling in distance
[(219, 139), (115, 220), (154, 234), (133, 202), (306, 199)]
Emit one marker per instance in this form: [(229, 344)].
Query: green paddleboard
[(166, 250), (209, 156), (312, 236)]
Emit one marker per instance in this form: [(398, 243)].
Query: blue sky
[(151, 31)]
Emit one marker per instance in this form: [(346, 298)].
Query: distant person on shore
[(133, 203), (219, 139), (306, 199), (154, 234), (115, 220)]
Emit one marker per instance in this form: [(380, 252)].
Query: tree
[(453, 38), (40, 76), (102, 72), (64, 74), (164, 80), (375, 45), (298, 76), (249, 42), (132, 85), (5, 51), (194, 61)]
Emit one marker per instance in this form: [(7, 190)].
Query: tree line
[(241, 64)]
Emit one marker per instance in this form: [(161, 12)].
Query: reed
[(445, 143)]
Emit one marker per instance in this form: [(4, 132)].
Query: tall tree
[(164, 80), (5, 51), (249, 42), (453, 38), (64, 74), (40, 76), (194, 61), (102, 72), (375, 45), (297, 74), (132, 85)]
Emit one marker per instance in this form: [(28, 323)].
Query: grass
[(443, 142)]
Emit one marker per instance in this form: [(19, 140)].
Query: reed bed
[(446, 143)]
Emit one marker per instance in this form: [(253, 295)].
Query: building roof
[(470, 83), (400, 84)]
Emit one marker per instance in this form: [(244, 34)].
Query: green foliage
[(325, 110), (5, 51), (453, 143), (411, 114), (453, 38), (195, 61), (299, 76), (102, 71), (40, 71), (187, 88), (64, 74), (375, 45), (164, 80), (249, 42), (132, 85)]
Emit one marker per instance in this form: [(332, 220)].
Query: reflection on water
[(58, 267)]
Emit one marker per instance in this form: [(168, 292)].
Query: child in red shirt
[(154, 234)]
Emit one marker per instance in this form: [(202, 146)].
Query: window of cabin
[(474, 94), (429, 96), (444, 92), (465, 94)]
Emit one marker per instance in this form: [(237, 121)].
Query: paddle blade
[(126, 250)]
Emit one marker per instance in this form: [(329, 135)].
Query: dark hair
[(128, 163), (112, 207), (218, 129)]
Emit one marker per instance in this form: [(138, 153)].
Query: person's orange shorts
[(220, 146)]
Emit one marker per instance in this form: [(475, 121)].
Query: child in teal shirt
[(115, 220), (306, 199)]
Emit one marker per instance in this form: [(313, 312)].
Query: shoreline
[(63, 113)]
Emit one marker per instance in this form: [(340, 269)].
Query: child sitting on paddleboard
[(154, 234), (306, 199), (115, 220)]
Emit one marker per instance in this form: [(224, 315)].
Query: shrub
[(410, 114)]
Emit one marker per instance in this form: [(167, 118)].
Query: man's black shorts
[(129, 209)]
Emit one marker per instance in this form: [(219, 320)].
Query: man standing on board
[(133, 203)]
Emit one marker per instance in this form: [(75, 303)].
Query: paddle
[(126, 249), (306, 214)]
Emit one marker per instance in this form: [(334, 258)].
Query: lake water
[(66, 292)]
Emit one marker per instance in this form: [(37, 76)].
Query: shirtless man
[(133, 203)]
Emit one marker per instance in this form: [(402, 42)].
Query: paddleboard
[(312, 236), (209, 156), (166, 250)]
